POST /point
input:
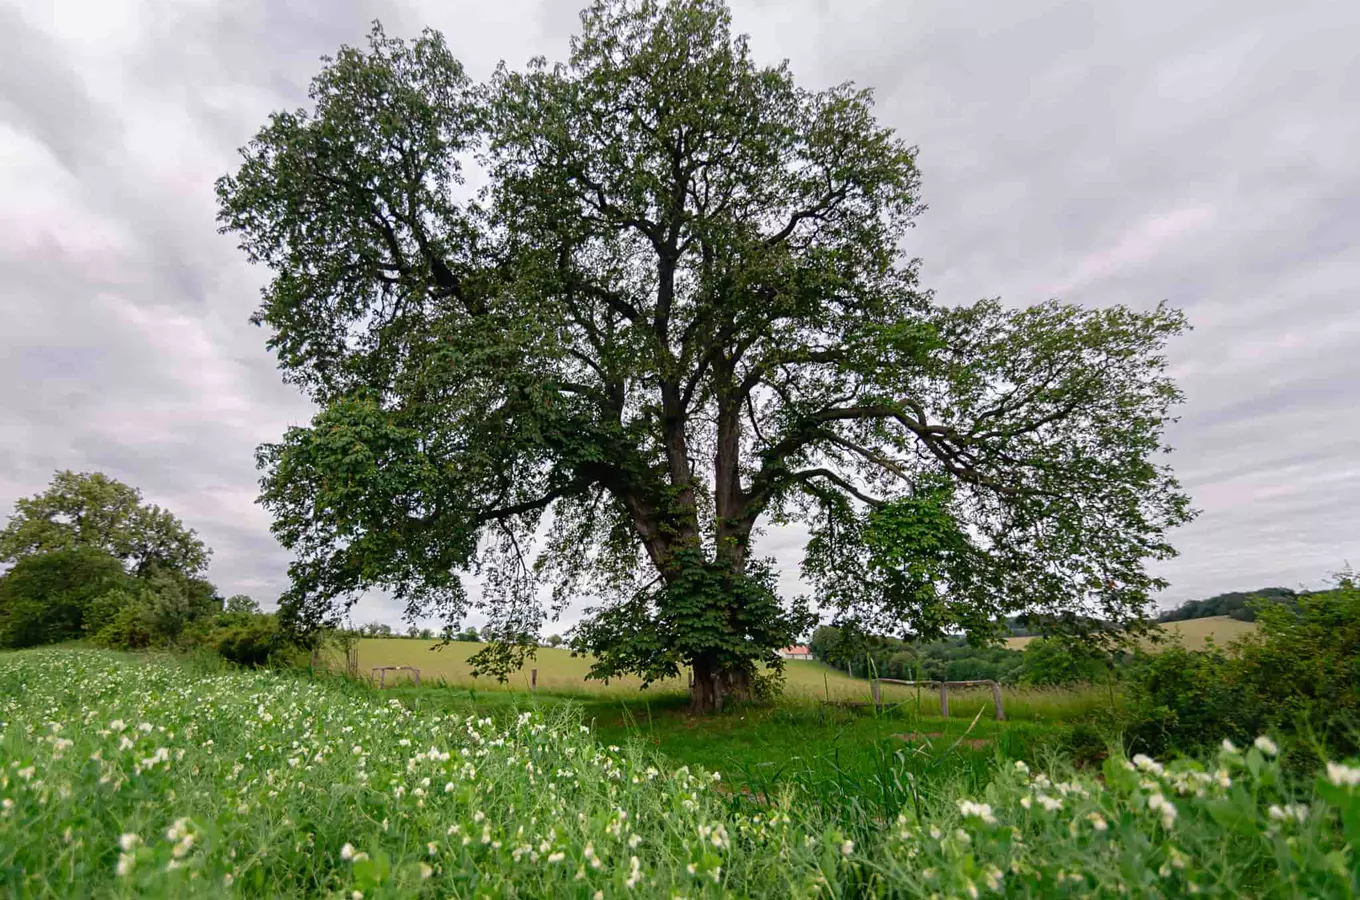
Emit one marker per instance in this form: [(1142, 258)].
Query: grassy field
[(1193, 634), (132, 777), (561, 673)]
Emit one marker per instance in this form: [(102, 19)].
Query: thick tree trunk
[(716, 687)]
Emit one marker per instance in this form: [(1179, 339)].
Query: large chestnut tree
[(676, 307)]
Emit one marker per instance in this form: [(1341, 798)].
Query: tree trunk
[(715, 687)]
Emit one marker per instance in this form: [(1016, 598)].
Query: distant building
[(798, 651)]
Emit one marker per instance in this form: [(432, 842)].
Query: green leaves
[(677, 309), (93, 511)]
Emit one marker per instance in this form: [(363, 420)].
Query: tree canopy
[(92, 511), (678, 310)]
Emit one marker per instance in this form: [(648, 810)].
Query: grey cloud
[(1199, 152)]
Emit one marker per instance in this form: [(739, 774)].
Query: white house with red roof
[(797, 651)]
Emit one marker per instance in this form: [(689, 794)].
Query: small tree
[(554, 640), (241, 603)]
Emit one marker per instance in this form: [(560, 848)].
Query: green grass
[(130, 778), (561, 673), (805, 682)]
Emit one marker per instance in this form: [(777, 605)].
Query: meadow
[(1192, 634), (138, 777), (806, 682)]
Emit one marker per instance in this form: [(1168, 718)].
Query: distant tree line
[(1239, 605), (90, 561)]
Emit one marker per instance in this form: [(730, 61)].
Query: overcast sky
[(1207, 154)]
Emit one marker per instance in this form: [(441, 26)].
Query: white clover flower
[(1021, 767), (634, 872), (1295, 811), (1159, 804), (982, 811), (847, 848), (125, 864), (1342, 775), (1229, 746), (426, 870), (1097, 821), (128, 842), (347, 852), (227, 879), (1266, 746), (1147, 764), (556, 857)]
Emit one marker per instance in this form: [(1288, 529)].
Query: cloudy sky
[(1207, 154)]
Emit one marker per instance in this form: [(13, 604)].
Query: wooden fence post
[(533, 680), (944, 699), (878, 702), (717, 693), (996, 699)]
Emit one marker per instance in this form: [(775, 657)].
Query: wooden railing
[(944, 687)]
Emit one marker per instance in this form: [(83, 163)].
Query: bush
[(1051, 661), (44, 598), (1298, 675), (247, 640)]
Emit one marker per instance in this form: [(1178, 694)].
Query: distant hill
[(1233, 605), (1193, 634)]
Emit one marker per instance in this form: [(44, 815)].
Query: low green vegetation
[(149, 779), (1298, 673), (90, 561)]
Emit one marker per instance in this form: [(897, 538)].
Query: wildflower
[(426, 870), (1159, 804), (128, 842), (1229, 746), (982, 811), (1021, 767), (847, 848), (1297, 811), (125, 863), (1147, 764), (1343, 775), (556, 857), (227, 879), (1097, 821), (1266, 746), (634, 872)]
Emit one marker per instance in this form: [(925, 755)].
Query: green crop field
[(1193, 634)]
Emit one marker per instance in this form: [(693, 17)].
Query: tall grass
[(132, 779)]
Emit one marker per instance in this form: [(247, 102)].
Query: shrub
[(1050, 661), (44, 598), (1298, 674), (249, 640)]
